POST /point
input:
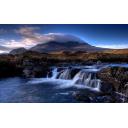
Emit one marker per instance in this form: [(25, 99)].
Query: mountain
[(18, 51), (64, 42), (54, 46), (57, 42)]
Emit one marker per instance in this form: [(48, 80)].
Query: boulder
[(74, 71), (27, 72), (115, 78), (106, 88)]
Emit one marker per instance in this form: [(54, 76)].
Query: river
[(57, 88)]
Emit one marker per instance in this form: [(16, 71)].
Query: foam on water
[(85, 78)]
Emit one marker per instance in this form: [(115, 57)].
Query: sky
[(100, 35)]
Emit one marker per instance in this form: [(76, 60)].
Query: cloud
[(30, 37), (62, 37), (2, 51), (13, 44), (29, 32)]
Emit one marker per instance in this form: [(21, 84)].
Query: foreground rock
[(117, 77), (88, 96), (114, 87), (35, 68), (28, 64)]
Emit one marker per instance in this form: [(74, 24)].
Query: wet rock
[(40, 71), (106, 88), (103, 99), (82, 98), (37, 71), (85, 95), (27, 73), (115, 78), (98, 62), (74, 71), (35, 68)]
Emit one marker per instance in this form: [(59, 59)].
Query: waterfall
[(87, 79), (84, 77), (66, 74), (54, 73), (98, 85)]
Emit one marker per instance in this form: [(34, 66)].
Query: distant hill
[(117, 51), (18, 51)]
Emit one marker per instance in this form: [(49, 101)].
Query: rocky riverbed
[(113, 80)]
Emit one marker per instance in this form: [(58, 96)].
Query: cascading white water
[(54, 73), (84, 77), (66, 74)]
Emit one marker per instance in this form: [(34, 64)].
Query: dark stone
[(117, 77), (37, 71), (74, 72), (83, 98), (103, 99), (106, 88)]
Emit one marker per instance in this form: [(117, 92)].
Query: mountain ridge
[(62, 42), (54, 46)]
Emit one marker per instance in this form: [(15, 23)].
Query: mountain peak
[(56, 42), (18, 51), (61, 42), (62, 37)]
